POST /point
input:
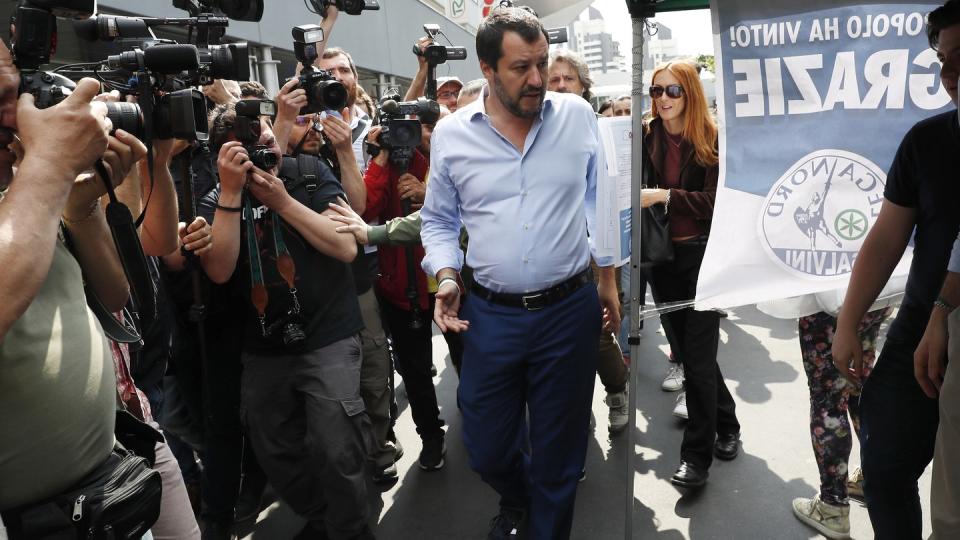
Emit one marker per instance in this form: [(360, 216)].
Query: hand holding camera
[(290, 99), (233, 163), (73, 123), (338, 131), (269, 190)]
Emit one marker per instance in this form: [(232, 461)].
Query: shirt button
[(526, 226), (526, 260)]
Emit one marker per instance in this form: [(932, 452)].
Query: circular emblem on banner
[(817, 214)]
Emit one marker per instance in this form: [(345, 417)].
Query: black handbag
[(120, 499), (656, 247)]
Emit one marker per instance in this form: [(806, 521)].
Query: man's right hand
[(73, 123), (929, 360), (290, 99), (422, 44), (447, 308), (233, 163), (848, 354)]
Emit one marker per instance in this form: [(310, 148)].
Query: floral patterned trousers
[(832, 397)]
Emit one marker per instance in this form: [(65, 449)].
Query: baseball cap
[(444, 80)]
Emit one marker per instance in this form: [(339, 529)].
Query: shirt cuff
[(438, 260), (954, 265), (377, 234)]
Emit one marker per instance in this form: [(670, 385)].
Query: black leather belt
[(532, 301)]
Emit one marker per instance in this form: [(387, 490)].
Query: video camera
[(324, 92), (400, 135), (436, 54), (247, 130)]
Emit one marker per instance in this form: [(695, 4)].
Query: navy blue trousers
[(898, 429), (543, 361)]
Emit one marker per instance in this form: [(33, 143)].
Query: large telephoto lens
[(126, 116), (230, 62)]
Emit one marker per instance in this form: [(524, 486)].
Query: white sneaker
[(829, 520), (619, 411), (680, 409), (674, 379)]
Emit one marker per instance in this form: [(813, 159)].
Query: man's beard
[(351, 95), (513, 105)]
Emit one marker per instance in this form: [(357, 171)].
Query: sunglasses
[(673, 91), (313, 119)]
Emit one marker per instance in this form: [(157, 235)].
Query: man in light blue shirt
[(518, 169)]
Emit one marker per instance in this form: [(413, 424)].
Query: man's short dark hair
[(252, 90), (223, 120), (332, 52), (503, 20), (944, 16)]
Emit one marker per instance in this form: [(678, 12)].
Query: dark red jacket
[(383, 204), (698, 184)]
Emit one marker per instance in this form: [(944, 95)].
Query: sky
[(691, 29)]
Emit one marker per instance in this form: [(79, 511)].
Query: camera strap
[(285, 265)]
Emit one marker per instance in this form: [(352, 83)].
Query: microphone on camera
[(171, 58), (390, 106), (162, 59)]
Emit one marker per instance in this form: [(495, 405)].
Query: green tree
[(708, 61)]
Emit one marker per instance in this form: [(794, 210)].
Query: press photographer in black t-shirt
[(300, 388), (899, 422)]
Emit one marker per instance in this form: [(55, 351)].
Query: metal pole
[(268, 71), (636, 173)]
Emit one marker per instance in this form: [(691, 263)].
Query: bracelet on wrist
[(93, 210), (451, 280), (944, 305), (229, 208)]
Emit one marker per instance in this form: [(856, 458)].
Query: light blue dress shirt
[(526, 212), (954, 265)]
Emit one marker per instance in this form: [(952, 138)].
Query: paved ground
[(746, 498)]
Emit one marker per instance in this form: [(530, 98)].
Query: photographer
[(330, 137), (386, 187), (448, 88), (300, 386), (43, 298)]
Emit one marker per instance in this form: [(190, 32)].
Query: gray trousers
[(375, 378), (306, 422), (945, 481)]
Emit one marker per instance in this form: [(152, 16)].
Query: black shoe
[(506, 525), (727, 446), (689, 475), (385, 475), (431, 457)]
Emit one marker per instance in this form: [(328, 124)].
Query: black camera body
[(400, 135), (247, 130), (324, 92), (350, 7), (439, 54)]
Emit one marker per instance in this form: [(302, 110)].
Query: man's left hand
[(610, 301), (268, 189), (338, 131)]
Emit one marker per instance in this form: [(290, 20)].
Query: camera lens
[(293, 335), (264, 158), (230, 62), (126, 116), (331, 94)]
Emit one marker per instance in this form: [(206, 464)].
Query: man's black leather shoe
[(689, 476), (727, 446)]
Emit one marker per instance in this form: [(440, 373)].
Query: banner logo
[(817, 214)]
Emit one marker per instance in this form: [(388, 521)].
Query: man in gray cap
[(448, 90)]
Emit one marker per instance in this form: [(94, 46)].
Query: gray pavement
[(746, 498)]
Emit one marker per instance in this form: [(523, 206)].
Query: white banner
[(813, 101)]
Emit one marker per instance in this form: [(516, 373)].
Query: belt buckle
[(527, 298)]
